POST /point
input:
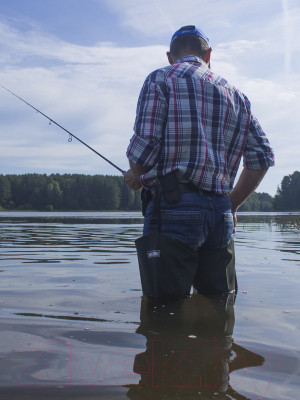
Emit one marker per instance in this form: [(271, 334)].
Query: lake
[(74, 324)]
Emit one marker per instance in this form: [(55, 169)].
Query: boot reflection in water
[(189, 350)]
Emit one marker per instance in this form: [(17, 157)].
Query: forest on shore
[(78, 192)]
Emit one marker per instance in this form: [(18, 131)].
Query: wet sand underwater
[(73, 323)]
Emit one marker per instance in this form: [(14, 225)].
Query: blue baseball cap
[(189, 30)]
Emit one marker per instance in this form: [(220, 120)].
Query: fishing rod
[(71, 135)]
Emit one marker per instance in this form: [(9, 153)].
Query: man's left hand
[(132, 181)]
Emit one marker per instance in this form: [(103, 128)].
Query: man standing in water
[(192, 128)]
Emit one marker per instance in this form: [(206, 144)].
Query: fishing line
[(71, 135)]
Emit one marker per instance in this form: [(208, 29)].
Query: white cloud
[(92, 92), (287, 34), (157, 18)]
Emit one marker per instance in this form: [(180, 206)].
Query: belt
[(187, 187), (191, 188)]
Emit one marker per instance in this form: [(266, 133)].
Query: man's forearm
[(246, 184)]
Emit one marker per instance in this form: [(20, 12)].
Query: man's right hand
[(234, 221), (246, 184), (132, 181)]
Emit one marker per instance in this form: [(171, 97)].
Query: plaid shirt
[(193, 121)]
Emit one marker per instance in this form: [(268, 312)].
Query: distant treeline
[(85, 192), (287, 197), (66, 192)]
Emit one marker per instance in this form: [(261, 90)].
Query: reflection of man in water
[(189, 351), (192, 129)]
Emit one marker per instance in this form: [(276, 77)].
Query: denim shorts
[(204, 223), (197, 220)]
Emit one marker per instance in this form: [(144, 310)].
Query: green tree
[(111, 198), (67, 192), (287, 197), (54, 195), (258, 202), (137, 205), (5, 191), (16, 189), (265, 202), (38, 198), (127, 197)]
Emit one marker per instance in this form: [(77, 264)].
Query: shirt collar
[(190, 59)]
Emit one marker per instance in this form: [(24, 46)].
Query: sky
[(83, 62)]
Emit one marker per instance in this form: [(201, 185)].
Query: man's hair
[(192, 44)]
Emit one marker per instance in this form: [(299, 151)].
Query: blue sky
[(83, 62)]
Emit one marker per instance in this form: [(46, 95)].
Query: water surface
[(71, 308)]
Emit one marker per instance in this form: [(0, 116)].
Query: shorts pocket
[(227, 229), (184, 225)]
